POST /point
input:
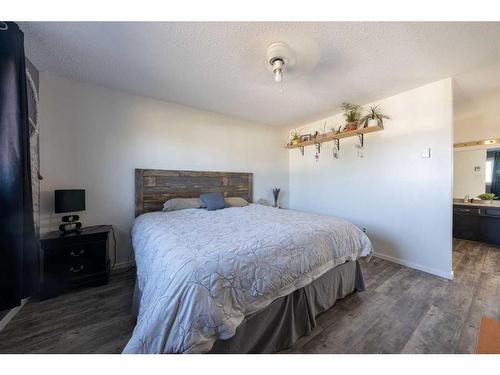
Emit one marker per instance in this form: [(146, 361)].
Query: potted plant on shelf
[(374, 117), (295, 138), (351, 114), (487, 197)]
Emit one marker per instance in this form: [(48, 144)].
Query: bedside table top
[(94, 229)]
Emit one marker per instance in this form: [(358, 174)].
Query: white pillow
[(235, 202), (175, 204)]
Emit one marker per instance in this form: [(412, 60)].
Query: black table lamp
[(66, 201)]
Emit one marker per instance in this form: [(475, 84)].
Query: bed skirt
[(278, 326)]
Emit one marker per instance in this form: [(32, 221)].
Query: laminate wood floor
[(401, 311)]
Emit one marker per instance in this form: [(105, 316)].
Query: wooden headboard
[(154, 186)]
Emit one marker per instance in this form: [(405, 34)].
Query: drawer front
[(82, 269), (462, 210), (95, 251), (493, 212)]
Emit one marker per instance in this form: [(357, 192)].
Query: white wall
[(467, 181), (402, 199), (93, 138), (477, 118)]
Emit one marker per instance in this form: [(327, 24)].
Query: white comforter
[(201, 272)]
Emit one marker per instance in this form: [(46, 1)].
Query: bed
[(247, 279)]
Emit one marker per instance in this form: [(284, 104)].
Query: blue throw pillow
[(213, 201)]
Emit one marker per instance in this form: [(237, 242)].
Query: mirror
[(476, 172)]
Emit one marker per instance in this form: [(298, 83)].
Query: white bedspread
[(201, 272)]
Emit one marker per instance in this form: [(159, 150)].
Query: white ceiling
[(221, 67)]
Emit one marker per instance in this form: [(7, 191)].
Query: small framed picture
[(305, 137)]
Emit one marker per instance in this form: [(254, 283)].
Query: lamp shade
[(69, 200)]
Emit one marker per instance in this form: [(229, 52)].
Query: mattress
[(200, 273)]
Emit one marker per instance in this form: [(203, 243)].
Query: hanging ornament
[(360, 151), (318, 150), (336, 149), (360, 146)]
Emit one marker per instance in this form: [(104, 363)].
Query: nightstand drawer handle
[(81, 252), (75, 270)]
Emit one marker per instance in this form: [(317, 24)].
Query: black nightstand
[(74, 260)]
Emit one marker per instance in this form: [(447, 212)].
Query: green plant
[(486, 196), (295, 136), (351, 112), (374, 113)]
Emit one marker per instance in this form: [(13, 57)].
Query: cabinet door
[(490, 230), (466, 227)]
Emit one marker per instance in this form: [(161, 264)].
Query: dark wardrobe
[(19, 248)]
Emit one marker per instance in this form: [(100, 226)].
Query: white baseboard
[(11, 314), (420, 267)]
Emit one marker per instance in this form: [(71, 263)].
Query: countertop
[(460, 202)]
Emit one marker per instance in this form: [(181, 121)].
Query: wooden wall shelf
[(332, 136), (483, 142)]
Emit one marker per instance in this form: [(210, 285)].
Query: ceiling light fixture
[(278, 65), (279, 58)]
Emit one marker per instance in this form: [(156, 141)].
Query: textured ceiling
[(221, 67)]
